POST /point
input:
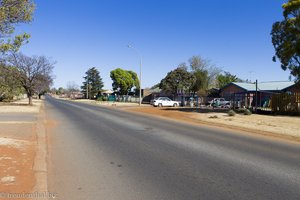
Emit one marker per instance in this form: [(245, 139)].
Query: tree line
[(123, 82), (195, 77), (20, 73)]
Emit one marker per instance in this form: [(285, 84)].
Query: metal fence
[(286, 103)]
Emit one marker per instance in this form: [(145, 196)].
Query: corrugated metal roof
[(245, 86), (276, 85), (265, 86)]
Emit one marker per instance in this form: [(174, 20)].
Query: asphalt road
[(104, 153)]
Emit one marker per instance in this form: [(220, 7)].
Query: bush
[(247, 112), (102, 98), (240, 110), (231, 113)]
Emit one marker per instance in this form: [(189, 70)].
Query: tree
[(93, 83), (72, 87), (53, 90), (9, 85), (205, 73), (13, 12), (197, 63), (43, 84), (178, 80), (124, 80), (201, 82), (60, 91), (155, 86), (286, 38), (33, 73), (224, 79)]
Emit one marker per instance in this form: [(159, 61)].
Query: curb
[(40, 161)]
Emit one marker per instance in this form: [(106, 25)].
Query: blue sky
[(79, 34)]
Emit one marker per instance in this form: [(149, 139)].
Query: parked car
[(219, 102), (164, 101)]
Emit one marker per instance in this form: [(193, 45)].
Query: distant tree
[(155, 86), (43, 84), (60, 91), (197, 63), (286, 38), (178, 80), (124, 80), (13, 12), (201, 81), (92, 84), (53, 90), (224, 79), (135, 79), (32, 73), (9, 85), (205, 74), (72, 87)]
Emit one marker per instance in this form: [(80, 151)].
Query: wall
[(229, 90)]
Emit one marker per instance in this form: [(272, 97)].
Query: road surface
[(103, 153)]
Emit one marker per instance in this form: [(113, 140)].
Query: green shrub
[(101, 98), (231, 113)]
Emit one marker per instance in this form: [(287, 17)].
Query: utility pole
[(140, 78), (256, 96)]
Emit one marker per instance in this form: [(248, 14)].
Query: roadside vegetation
[(92, 84), (286, 38), (20, 74)]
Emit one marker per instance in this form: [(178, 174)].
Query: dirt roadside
[(22, 151), (281, 127)]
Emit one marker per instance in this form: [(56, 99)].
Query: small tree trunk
[(30, 99)]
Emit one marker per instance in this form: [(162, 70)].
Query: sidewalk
[(20, 148)]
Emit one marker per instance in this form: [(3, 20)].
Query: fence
[(286, 103), (123, 98)]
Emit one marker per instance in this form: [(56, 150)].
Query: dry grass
[(21, 106)]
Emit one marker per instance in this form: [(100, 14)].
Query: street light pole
[(87, 90), (140, 78)]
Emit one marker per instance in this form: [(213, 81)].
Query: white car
[(164, 101)]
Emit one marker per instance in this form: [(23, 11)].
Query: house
[(150, 94), (244, 94)]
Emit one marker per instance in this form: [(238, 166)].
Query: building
[(244, 94)]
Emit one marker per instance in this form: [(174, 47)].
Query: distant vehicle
[(163, 101), (219, 102)]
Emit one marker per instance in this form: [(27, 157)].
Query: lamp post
[(140, 78), (87, 89)]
